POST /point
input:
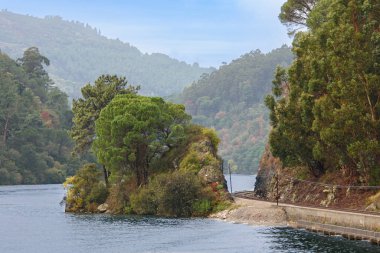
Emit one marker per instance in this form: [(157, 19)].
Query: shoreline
[(253, 212)]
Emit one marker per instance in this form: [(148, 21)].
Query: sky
[(208, 32)]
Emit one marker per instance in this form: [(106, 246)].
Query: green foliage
[(78, 54), (191, 162), (212, 135), (223, 205), (145, 201), (85, 190), (86, 110), (201, 207), (330, 117), (177, 194), (294, 13), (133, 131), (231, 101), (34, 119)]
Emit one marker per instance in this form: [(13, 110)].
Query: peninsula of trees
[(154, 160)]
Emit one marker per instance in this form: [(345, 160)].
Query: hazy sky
[(205, 31)]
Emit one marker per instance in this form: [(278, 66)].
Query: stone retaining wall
[(350, 225)]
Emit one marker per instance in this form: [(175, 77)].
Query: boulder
[(103, 208)]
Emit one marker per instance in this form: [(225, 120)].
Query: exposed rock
[(265, 178), (210, 174), (372, 207), (103, 208), (330, 192)]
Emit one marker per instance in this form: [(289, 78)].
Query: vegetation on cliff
[(231, 100), (154, 160), (325, 108)]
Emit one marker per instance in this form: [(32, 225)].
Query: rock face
[(298, 185), (265, 178), (210, 174), (330, 196), (201, 157), (103, 208)]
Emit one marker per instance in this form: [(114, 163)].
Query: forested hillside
[(34, 120), (79, 54), (231, 100), (325, 109)]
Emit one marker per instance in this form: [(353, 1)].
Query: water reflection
[(130, 220), (295, 240)]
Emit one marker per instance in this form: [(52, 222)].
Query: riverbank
[(253, 212)]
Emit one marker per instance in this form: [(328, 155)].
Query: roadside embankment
[(349, 224)]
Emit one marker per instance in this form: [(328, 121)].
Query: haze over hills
[(231, 99), (78, 54)]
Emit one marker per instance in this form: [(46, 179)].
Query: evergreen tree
[(330, 118), (132, 131)]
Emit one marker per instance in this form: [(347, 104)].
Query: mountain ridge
[(79, 54)]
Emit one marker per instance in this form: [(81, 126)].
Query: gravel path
[(253, 212)]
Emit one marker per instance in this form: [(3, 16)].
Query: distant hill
[(231, 100), (78, 54)]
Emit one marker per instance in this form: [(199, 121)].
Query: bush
[(179, 191), (191, 162), (85, 190), (144, 202), (177, 194), (213, 136), (202, 207)]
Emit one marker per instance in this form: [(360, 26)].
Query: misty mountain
[(78, 54)]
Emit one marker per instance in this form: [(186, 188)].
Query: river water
[(32, 220)]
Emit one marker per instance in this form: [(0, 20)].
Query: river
[(32, 220)]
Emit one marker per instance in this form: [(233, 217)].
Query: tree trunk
[(105, 172), (142, 172)]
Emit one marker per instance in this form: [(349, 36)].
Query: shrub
[(85, 190), (144, 201), (178, 194), (212, 135), (191, 162), (202, 207), (179, 191)]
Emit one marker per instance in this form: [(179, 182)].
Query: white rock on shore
[(103, 208)]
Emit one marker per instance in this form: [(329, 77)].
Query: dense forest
[(79, 54), (34, 119), (231, 100), (325, 109)]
